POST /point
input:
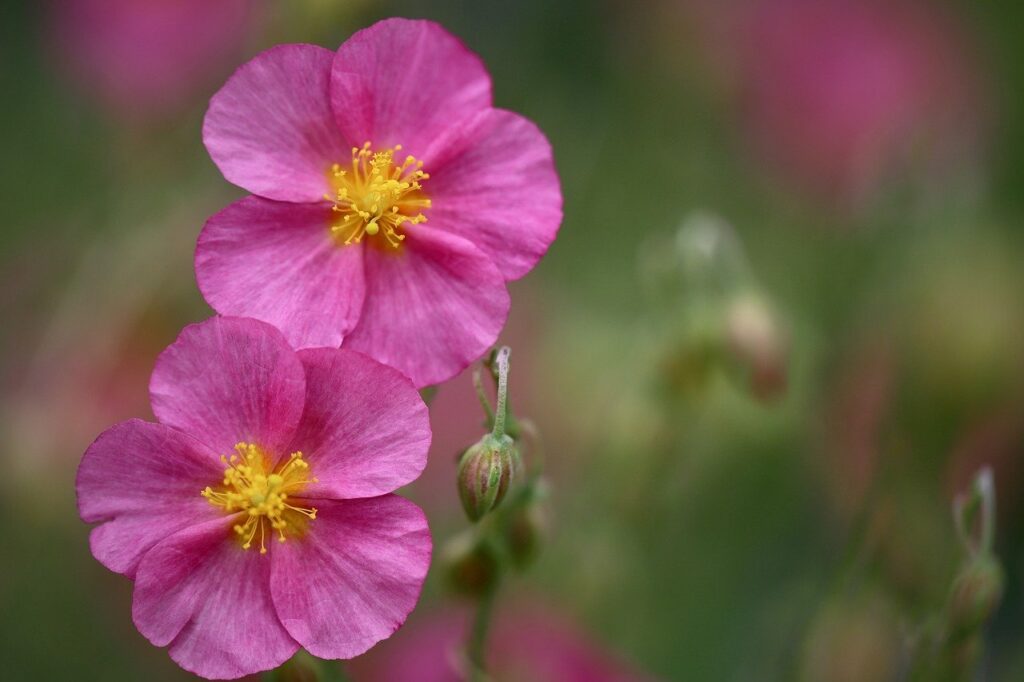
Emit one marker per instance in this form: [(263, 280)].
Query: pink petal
[(432, 307), (496, 186), (271, 130), (200, 592), (405, 81), (229, 380), (142, 482), (353, 579), (365, 430), (277, 262)]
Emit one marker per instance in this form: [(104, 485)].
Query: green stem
[(478, 384), (987, 492), (974, 513), (477, 647), (500, 413)]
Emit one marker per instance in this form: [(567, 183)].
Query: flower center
[(262, 496), (376, 195)]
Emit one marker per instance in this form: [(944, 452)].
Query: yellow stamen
[(249, 489), (377, 196)]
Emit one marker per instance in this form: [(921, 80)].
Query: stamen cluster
[(376, 196), (261, 496)]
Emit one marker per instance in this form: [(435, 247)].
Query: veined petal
[(354, 578), (278, 262), (229, 380), (432, 306), (142, 482), (494, 183), (271, 129), (200, 592), (404, 81), (365, 430)]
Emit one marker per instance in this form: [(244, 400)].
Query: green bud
[(300, 668), (692, 357), (469, 565), (703, 258), (854, 638), (757, 341), (524, 533), (975, 596), (486, 470)]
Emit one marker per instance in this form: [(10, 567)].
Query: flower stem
[(986, 490), (481, 395), (974, 513), (477, 647), (500, 413)]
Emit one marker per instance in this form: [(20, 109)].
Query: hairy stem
[(501, 411), (481, 395)]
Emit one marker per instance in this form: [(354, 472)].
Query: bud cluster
[(504, 504), (978, 587), (977, 590), (722, 320)]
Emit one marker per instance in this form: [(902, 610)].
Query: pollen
[(377, 196), (261, 496)]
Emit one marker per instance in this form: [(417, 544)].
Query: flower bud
[(693, 354), (704, 257), (524, 533), (469, 565), (854, 638), (756, 339), (485, 472), (976, 594), (300, 668)]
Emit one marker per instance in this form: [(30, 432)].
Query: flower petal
[(432, 307), (200, 592), (142, 481), (277, 262), (228, 380), (497, 187), (405, 81), (353, 579), (365, 430), (271, 129)]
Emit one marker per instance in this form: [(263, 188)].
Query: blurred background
[(782, 326)]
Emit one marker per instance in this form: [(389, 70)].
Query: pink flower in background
[(837, 95), (391, 201), (150, 57), (839, 91), (527, 643), (256, 516)]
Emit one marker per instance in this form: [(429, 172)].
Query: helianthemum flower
[(256, 516), (391, 201)]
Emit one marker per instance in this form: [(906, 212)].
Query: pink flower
[(528, 642), (391, 201), (152, 56), (256, 516), (841, 96), (841, 93)]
